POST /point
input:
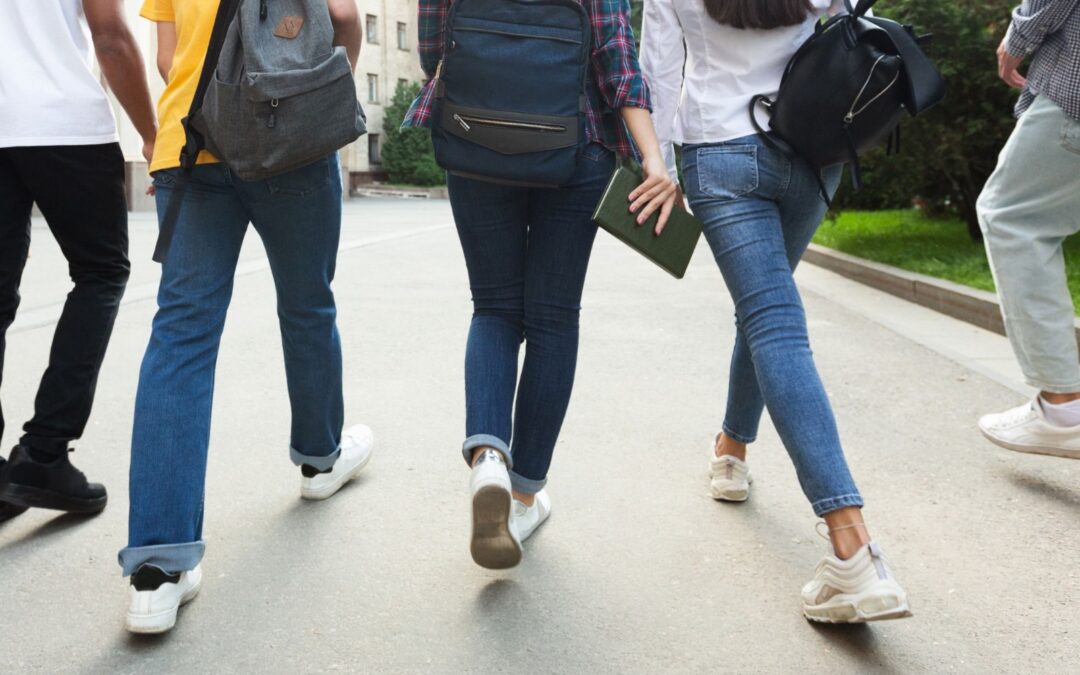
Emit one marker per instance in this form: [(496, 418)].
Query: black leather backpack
[(847, 86)]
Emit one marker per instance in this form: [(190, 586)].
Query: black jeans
[(80, 191)]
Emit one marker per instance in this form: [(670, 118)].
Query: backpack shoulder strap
[(926, 87), (194, 142)]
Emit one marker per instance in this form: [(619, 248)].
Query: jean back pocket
[(727, 171)]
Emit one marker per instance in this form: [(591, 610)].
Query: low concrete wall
[(968, 304)]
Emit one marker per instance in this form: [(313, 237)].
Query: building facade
[(388, 56)]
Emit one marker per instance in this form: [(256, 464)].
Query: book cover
[(672, 250)]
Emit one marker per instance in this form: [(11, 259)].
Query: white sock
[(1064, 415)]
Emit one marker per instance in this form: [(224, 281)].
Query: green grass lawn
[(935, 247)]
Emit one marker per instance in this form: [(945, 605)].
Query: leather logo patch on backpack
[(289, 27)]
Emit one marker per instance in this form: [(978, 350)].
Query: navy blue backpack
[(510, 91)]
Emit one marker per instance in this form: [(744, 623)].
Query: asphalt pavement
[(637, 571)]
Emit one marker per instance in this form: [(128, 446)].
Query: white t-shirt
[(48, 95), (725, 68)]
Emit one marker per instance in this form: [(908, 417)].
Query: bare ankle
[(847, 531), (725, 445), (525, 499), (1059, 399)]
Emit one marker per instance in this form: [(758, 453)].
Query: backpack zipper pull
[(463, 123), (271, 120)]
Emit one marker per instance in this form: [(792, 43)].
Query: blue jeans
[(760, 210), (298, 217), (527, 251)]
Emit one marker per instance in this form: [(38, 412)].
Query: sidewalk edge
[(971, 305)]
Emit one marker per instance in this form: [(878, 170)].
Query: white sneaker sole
[(330, 489), (729, 492), (1031, 449), (493, 544), (876, 604), (163, 621)]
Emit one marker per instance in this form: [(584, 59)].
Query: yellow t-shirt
[(194, 21)]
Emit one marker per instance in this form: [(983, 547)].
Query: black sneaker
[(55, 484), (8, 511)]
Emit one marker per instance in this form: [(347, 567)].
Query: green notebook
[(672, 250)]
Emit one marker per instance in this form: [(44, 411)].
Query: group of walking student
[(527, 252)]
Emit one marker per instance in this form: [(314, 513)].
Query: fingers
[(645, 192), (665, 213), (664, 197), (1013, 78), (1008, 69)]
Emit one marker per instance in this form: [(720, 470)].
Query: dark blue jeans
[(527, 251), (298, 217), (761, 209)]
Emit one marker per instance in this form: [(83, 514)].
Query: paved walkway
[(638, 569)]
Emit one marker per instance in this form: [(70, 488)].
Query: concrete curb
[(971, 305), (401, 192)]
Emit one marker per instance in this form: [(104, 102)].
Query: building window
[(372, 88), (402, 36), (402, 84), (373, 149), (372, 29)]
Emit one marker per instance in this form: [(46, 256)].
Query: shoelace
[(1018, 414)]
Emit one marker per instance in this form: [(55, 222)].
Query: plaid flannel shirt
[(615, 76), (1050, 31)]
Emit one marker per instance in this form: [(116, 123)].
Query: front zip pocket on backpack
[(467, 122), (509, 133), (514, 34)]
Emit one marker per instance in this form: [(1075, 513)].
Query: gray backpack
[(274, 95)]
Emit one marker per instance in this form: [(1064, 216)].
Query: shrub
[(407, 154), (948, 153)]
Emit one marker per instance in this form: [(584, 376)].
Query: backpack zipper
[(852, 112), (271, 120), (504, 33), (464, 121)]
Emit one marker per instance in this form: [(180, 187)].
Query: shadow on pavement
[(857, 641), (494, 597), (57, 525), (1067, 497)]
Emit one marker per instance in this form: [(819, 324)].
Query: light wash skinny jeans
[(760, 209), (1029, 206)]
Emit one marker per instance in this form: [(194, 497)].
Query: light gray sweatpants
[(1029, 206)]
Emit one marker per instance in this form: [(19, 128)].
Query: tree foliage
[(948, 153), (407, 154)]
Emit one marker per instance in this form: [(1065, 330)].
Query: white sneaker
[(357, 444), (1025, 429), (156, 596), (494, 544), (527, 518), (730, 476), (859, 589)]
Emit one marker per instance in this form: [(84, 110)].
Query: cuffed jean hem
[(173, 558), (324, 463), (1053, 388), (486, 441), (737, 437), (526, 486), (823, 506)]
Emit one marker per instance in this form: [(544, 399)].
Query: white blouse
[(703, 74)]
